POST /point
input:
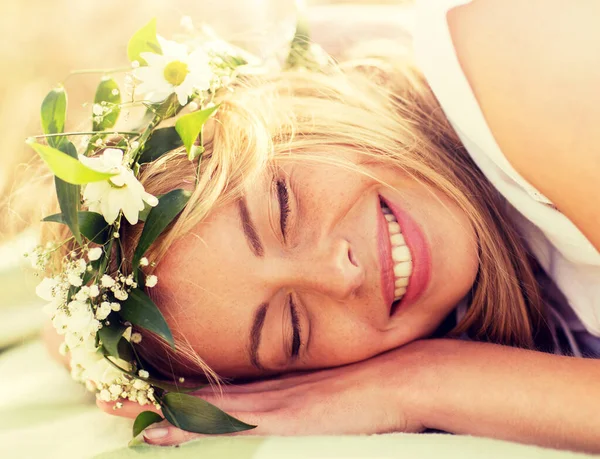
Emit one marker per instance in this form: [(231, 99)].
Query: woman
[(345, 225)]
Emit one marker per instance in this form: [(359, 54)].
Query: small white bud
[(144, 374), (144, 261), (115, 92), (94, 291), (115, 390), (135, 145), (107, 281), (94, 254), (97, 110), (136, 338), (151, 281), (120, 295), (74, 280), (193, 106)]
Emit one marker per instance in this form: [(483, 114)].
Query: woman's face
[(303, 273)]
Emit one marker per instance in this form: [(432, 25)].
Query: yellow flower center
[(175, 72)]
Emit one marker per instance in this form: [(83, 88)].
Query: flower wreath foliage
[(96, 184)]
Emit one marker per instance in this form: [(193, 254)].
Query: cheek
[(336, 341)]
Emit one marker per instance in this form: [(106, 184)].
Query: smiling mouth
[(400, 254)]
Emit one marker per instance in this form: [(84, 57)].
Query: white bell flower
[(122, 192), (96, 368), (46, 289), (173, 71), (81, 319)]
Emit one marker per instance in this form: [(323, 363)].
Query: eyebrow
[(255, 334), (250, 230)]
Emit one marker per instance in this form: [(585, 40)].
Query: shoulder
[(535, 70)]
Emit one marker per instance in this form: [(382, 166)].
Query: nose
[(332, 269)]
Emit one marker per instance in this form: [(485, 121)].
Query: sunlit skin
[(212, 282)]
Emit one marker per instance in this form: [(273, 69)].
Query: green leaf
[(168, 207), (110, 335), (143, 41), (162, 141), (140, 310), (91, 224), (108, 96), (193, 414), (143, 420), (189, 128), (125, 351), (69, 196), (54, 114), (65, 167)]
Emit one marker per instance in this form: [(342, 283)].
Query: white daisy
[(173, 71), (122, 192)]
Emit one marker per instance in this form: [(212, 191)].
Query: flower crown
[(96, 310)]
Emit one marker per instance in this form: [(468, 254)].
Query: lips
[(419, 249)]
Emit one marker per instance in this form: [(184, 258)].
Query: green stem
[(44, 136), (96, 71), (66, 241), (135, 155)]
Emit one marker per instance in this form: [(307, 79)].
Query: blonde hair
[(387, 114)]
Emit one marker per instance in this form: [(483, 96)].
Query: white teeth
[(401, 282), (403, 269), (397, 239), (401, 254), (399, 292), (394, 227)]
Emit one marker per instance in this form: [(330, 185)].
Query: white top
[(566, 255)]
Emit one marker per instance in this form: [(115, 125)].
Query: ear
[(128, 409)]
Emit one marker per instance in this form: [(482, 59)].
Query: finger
[(127, 408), (168, 435)]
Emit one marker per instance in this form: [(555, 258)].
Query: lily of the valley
[(122, 192), (173, 71)]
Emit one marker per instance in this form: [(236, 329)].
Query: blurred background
[(41, 42)]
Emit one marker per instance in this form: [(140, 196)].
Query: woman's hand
[(373, 396)]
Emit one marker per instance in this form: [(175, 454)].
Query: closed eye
[(295, 329), (284, 205)]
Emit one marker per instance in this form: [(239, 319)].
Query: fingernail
[(156, 433)]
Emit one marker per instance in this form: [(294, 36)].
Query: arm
[(535, 69), (512, 394), (455, 386)]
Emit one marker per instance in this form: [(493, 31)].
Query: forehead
[(200, 280)]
